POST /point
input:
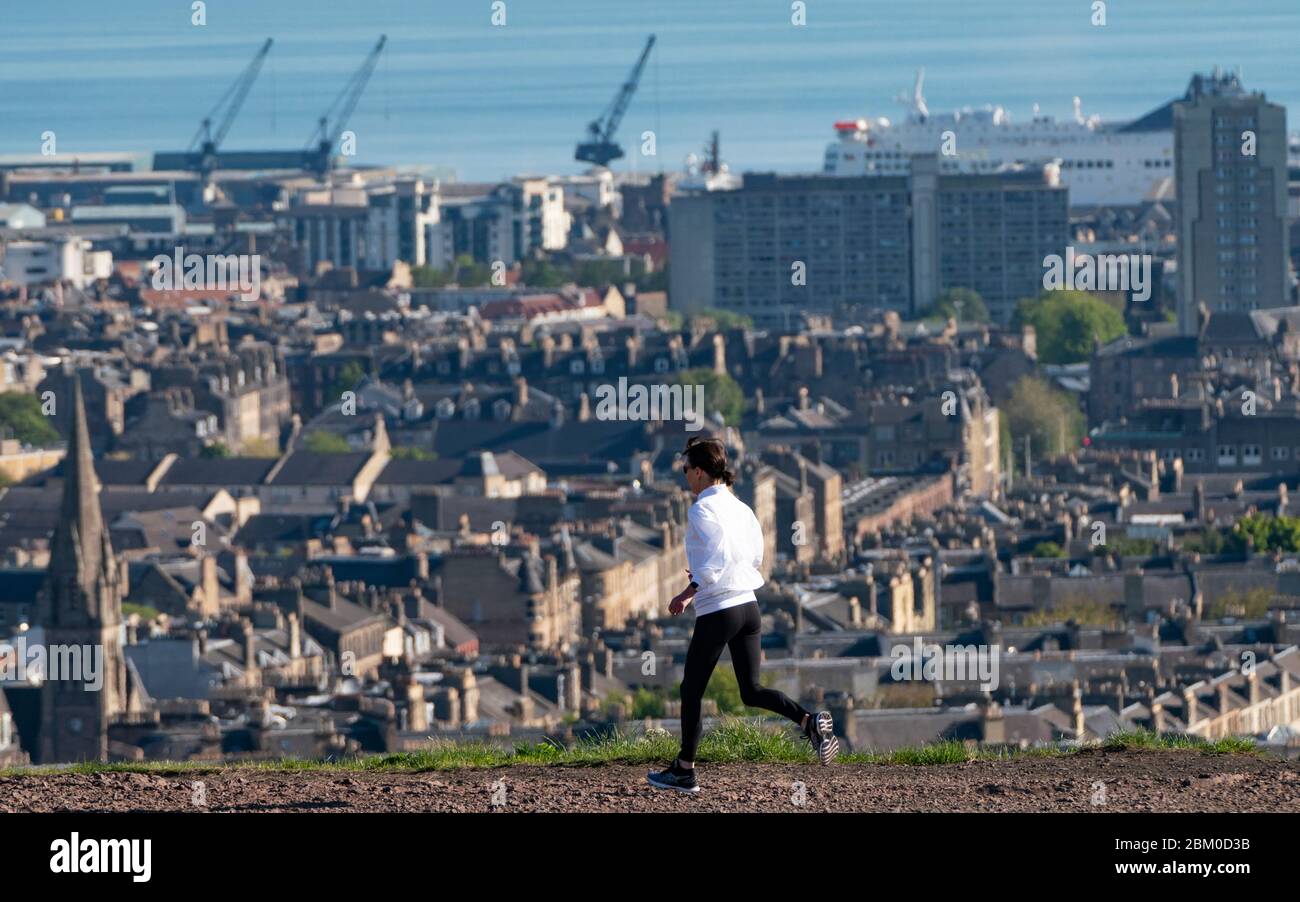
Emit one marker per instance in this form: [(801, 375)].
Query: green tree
[(545, 274), (144, 611), (721, 393), (647, 702), (653, 281), (1048, 549), (326, 443), (1267, 533), (1068, 323), (594, 273), (961, 304), (21, 417), (1050, 418), (412, 452), (468, 273), (1252, 604), (726, 319), (216, 449), (348, 377), (1083, 611), (1129, 547), (259, 447), (429, 277), (1208, 541)]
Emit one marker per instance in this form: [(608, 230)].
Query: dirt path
[(1131, 781)]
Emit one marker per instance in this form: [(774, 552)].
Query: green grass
[(1141, 740), (732, 741)]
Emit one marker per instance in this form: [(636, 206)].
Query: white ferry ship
[(1104, 164)]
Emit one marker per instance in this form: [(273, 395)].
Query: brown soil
[(1133, 781)]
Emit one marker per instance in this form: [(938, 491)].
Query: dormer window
[(472, 409), (577, 367), (445, 409), (501, 409), (661, 364)]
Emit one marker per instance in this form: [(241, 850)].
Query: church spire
[(82, 607), (81, 558)]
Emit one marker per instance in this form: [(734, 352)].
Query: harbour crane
[(324, 140), (600, 148), (207, 141)]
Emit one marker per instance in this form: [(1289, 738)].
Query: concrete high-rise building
[(1230, 149), (498, 223), (364, 226), (400, 215), (782, 245)]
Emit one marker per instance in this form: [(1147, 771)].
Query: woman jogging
[(724, 547)]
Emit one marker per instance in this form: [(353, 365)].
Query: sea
[(488, 89)]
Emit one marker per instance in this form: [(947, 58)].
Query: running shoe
[(820, 731), (680, 779)]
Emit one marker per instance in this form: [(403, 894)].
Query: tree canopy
[(21, 417), (961, 304), (721, 393), (1268, 533), (1068, 323), (1050, 418), (326, 443)]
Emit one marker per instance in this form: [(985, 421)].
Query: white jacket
[(724, 549)]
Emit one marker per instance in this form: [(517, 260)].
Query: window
[(1251, 454), (1227, 455), (1281, 453)]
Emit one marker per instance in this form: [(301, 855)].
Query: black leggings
[(737, 628)]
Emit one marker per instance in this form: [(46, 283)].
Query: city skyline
[(458, 94)]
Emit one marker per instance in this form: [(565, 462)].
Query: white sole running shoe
[(821, 733), (666, 779)]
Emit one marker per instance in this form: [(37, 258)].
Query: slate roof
[(227, 471), (343, 616), (573, 441), (263, 528), (307, 468), (373, 570), (418, 472)]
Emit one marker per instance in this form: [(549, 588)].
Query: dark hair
[(710, 455)]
